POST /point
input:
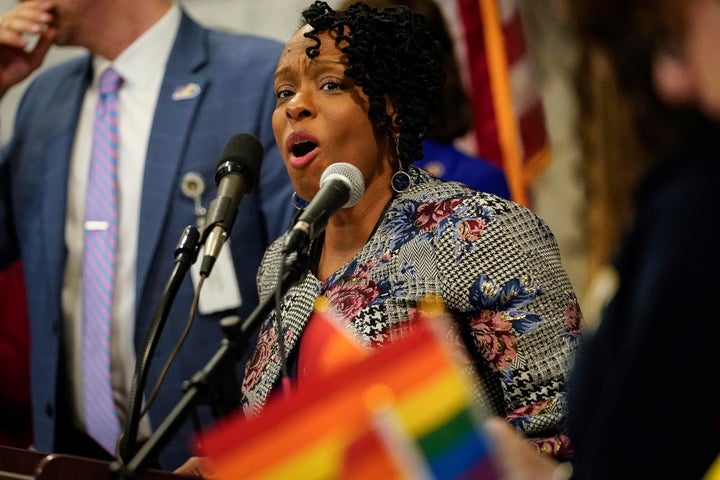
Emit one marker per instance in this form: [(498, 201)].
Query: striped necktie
[(101, 419)]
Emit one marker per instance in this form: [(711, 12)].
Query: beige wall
[(558, 194)]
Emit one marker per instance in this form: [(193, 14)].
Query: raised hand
[(26, 34)]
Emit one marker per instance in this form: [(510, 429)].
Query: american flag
[(494, 61)]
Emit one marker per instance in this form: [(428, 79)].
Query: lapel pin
[(186, 92)]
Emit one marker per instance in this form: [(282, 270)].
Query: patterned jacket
[(497, 267)]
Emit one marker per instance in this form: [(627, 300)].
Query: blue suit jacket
[(235, 75)]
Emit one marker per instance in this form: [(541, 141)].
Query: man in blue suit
[(186, 90)]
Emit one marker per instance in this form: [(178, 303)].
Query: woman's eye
[(283, 93), (331, 85)]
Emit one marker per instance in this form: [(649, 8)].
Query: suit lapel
[(56, 172), (180, 95)]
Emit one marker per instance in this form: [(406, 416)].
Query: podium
[(19, 464)]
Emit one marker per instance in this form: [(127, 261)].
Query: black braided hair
[(391, 54)]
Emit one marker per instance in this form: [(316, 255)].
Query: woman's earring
[(400, 180), (298, 202)]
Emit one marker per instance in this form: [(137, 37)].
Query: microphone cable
[(176, 348)]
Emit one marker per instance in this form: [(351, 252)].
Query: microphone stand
[(185, 255), (202, 385)]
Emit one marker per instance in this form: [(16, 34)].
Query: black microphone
[(341, 186), (236, 174)]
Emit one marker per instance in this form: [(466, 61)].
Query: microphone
[(236, 174), (341, 186)]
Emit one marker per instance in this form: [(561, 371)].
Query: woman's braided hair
[(391, 54)]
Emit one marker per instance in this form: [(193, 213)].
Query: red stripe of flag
[(509, 117)]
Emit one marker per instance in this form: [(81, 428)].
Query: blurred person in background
[(184, 90), (642, 400)]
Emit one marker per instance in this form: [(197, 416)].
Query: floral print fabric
[(495, 264)]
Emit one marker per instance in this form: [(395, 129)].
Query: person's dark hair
[(391, 54), (630, 33), (453, 116), (625, 127)]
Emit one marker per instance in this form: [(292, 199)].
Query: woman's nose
[(299, 107)]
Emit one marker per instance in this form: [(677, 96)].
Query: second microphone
[(341, 186), (236, 175)]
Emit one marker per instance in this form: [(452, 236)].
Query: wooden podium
[(19, 464)]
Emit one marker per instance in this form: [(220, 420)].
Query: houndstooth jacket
[(497, 267)]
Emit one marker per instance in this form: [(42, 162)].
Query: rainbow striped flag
[(403, 411), (714, 472)]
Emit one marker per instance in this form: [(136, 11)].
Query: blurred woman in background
[(642, 401)]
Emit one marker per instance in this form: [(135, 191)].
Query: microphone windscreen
[(243, 155), (349, 172)]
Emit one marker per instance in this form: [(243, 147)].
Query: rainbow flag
[(509, 116), (714, 472), (403, 411)]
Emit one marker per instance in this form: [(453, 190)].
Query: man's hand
[(17, 27), (197, 467), (515, 457)]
